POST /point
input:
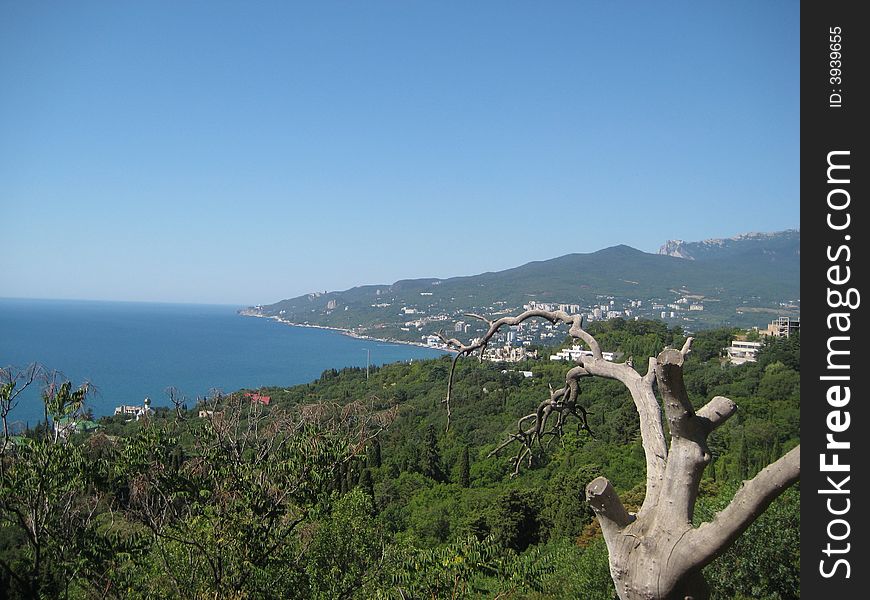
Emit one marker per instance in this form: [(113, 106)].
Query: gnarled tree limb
[(658, 553), (754, 496), (640, 388)]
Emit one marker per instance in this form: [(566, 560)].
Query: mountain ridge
[(744, 280), (742, 242)]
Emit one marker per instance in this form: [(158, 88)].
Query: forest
[(353, 486)]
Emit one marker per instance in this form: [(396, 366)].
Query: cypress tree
[(742, 460), (430, 459), (464, 468), (365, 483), (374, 458)]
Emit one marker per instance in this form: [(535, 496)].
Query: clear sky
[(246, 152)]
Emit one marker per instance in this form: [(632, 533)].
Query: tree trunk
[(656, 554)]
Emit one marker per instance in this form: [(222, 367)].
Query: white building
[(508, 354), (135, 411), (433, 341), (526, 374), (575, 353), (740, 352)]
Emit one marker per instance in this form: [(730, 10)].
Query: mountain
[(746, 280), (782, 246)]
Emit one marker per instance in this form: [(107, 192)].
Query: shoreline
[(347, 332)]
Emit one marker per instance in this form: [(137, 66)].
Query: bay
[(130, 350)]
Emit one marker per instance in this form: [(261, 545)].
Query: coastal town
[(429, 325), (425, 321)]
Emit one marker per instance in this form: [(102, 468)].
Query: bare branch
[(754, 496), (657, 553), (716, 412), (479, 317), (669, 373), (178, 400), (608, 507), (687, 346), (577, 331), (562, 402), (650, 376), (13, 382), (640, 388)]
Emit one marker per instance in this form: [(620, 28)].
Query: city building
[(740, 352), (433, 341), (259, 399), (135, 411), (508, 354), (783, 327), (575, 353)]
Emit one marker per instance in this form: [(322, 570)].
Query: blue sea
[(129, 351)]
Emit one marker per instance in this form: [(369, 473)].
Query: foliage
[(345, 547), (466, 568), (351, 487), (764, 563), (464, 476)]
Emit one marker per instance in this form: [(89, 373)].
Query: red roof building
[(264, 400)]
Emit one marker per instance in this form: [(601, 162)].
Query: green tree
[(40, 496), (13, 382), (779, 382), (564, 511), (374, 456), (434, 515), (464, 468), (430, 457), (764, 563), (365, 483), (345, 549), (513, 519), (226, 523), (786, 350), (465, 568), (41, 499)]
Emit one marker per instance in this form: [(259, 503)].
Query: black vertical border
[(826, 128)]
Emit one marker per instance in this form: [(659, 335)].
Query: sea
[(128, 351)]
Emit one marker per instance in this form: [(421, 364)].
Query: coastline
[(348, 332)]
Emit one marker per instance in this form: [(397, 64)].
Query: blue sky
[(245, 152)]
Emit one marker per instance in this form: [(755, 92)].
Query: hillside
[(742, 281), (351, 486)]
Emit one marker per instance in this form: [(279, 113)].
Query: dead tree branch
[(565, 402), (658, 553)]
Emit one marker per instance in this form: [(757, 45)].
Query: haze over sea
[(130, 350)]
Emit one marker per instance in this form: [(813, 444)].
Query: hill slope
[(741, 281)]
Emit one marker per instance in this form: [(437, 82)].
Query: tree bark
[(657, 554)]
